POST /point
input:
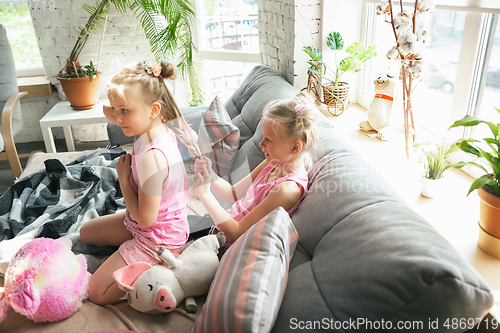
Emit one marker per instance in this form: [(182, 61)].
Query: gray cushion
[(8, 82), (362, 252)]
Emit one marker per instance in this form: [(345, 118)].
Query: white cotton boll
[(405, 48), (382, 7), (415, 47), (416, 68), (401, 24), (408, 12), (407, 37), (422, 36), (393, 53), (426, 5), (407, 43)]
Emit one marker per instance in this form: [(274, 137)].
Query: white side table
[(63, 115)]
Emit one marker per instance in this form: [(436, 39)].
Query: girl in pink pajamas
[(152, 179), (289, 128)]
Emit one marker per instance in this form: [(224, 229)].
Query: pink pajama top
[(260, 188), (171, 226)]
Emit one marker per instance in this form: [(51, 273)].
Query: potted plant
[(488, 186), (81, 85), (165, 40), (435, 163), (336, 92)]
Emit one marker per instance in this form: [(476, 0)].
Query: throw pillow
[(218, 138), (250, 282)]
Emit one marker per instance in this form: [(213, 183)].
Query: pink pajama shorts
[(142, 249)]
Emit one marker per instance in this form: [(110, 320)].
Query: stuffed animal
[(380, 109), (159, 289), (45, 281)]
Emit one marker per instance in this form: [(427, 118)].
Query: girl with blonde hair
[(289, 127), (152, 179)]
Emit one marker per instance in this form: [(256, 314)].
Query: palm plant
[(167, 26), (491, 180)]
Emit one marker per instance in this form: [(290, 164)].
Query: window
[(489, 90), (16, 18), (462, 74), (227, 42), (228, 25), (223, 77)]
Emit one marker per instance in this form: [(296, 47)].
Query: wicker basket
[(336, 98)]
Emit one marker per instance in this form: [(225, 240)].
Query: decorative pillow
[(250, 282), (218, 138)]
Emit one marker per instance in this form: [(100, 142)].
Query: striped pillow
[(248, 288), (218, 138)]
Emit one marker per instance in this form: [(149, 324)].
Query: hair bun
[(168, 70)]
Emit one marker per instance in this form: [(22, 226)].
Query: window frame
[(226, 55), (25, 72), (468, 89), (469, 58)]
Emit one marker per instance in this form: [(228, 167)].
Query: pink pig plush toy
[(159, 289), (45, 281)]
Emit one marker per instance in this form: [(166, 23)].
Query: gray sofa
[(364, 260)]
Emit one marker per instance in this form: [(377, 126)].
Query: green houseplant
[(357, 56), (336, 92), (167, 26), (488, 186), (435, 161)]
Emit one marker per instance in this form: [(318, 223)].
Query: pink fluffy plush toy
[(45, 281)]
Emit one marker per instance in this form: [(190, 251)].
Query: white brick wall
[(285, 27), (124, 44)]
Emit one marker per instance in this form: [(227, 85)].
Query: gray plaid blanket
[(57, 201)]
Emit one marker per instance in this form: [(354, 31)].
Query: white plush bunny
[(380, 109)]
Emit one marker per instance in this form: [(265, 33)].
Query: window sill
[(35, 86)]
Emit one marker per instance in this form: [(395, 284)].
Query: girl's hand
[(202, 186), (109, 112), (123, 167), (201, 164)]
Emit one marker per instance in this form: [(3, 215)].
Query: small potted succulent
[(335, 91), (488, 186), (435, 162)]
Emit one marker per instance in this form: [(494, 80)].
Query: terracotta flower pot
[(489, 223), (81, 92)]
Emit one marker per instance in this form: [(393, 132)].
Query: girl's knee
[(85, 234), (96, 291), (93, 292)]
